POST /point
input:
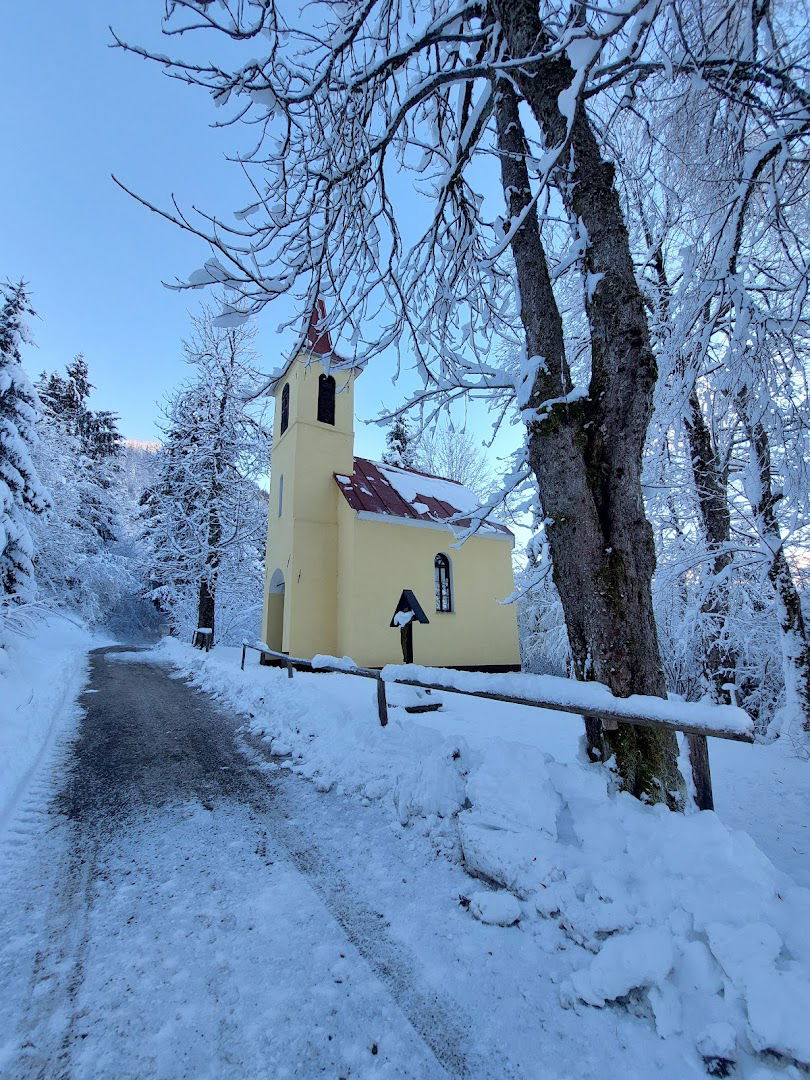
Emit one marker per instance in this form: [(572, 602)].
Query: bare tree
[(453, 452), (205, 509)]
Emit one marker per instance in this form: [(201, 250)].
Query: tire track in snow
[(434, 1019), (438, 1022), (47, 1023)]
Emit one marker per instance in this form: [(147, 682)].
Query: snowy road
[(174, 906), (172, 919)]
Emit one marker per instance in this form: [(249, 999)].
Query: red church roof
[(375, 488)]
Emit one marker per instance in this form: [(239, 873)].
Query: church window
[(285, 407), (444, 599), (326, 399)]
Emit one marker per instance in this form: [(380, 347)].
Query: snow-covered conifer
[(399, 445), (79, 561), (94, 438), (21, 492)]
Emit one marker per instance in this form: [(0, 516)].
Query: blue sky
[(93, 257)]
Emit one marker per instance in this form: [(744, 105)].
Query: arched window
[(444, 598), (285, 407), (326, 399)]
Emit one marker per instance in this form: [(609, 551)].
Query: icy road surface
[(171, 907)]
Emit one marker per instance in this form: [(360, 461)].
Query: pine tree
[(67, 399), (79, 561), (94, 438), (400, 449), (21, 493)]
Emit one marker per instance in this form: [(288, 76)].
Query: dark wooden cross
[(407, 611)]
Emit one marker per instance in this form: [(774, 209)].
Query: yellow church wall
[(382, 559), (312, 607), (346, 576)]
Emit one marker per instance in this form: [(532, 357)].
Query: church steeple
[(313, 438), (318, 340)]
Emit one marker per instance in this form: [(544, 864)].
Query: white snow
[(345, 663), (412, 485), (640, 958), (496, 908), (402, 618), (230, 318), (677, 911), (42, 675)]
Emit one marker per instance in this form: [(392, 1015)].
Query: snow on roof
[(413, 485), (405, 493)]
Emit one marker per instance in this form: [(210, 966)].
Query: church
[(360, 555)]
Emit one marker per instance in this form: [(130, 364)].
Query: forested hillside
[(126, 535)]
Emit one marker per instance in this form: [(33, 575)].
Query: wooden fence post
[(701, 773), (382, 704)]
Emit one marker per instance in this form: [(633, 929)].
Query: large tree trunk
[(793, 634), (206, 607), (586, 454)]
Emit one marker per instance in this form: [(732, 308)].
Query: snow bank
[(40, 679), (678, 914)]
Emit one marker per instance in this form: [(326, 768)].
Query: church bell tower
[(313, 438)]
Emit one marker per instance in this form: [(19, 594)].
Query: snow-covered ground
[(457, 894), (682, 919), (43, 672)]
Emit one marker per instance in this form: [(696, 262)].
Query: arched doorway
[(275, 611)]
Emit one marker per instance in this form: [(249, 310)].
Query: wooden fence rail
[(295, 663), (609, 717)]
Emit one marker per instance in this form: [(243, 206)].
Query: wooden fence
[(696, 735)]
